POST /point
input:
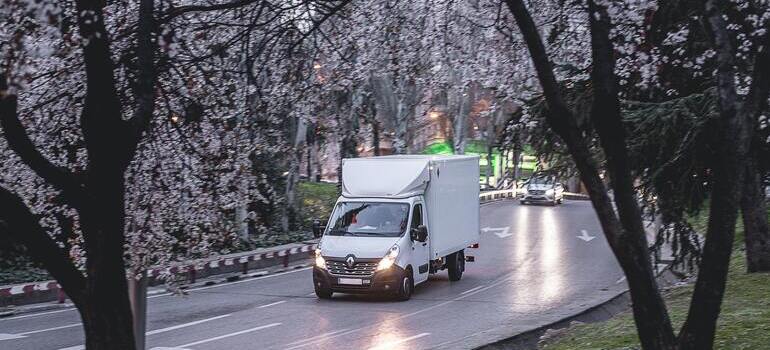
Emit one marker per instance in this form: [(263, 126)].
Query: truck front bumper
[(385, 281)]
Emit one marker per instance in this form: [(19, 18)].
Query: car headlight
[(319, 260), (549, 192), (389, 259)]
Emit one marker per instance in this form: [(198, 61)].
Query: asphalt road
[(535, 265)]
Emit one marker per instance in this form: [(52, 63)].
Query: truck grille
[(359, 269)]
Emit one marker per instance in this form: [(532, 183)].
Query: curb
[(39, 292), (597, 313)]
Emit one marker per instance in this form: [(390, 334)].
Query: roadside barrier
[(494, 195), (37, 292)]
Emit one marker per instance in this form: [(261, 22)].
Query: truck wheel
[(323, 293), (456, 265), (406, 286)]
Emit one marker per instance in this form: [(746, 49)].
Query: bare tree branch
[(18, 140), (17, 222)]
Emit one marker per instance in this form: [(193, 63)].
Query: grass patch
[(744, 322), (316, 201)]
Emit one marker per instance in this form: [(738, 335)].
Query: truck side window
[(417, 216)]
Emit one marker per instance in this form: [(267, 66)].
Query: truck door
[(420, 250)]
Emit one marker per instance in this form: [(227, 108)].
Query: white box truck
[(399, 219)]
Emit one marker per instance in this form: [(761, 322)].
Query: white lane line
[(51, 329), (317, 337), (7, 336), (37, 314), (168, 329), (620, 280), (272, 304), (162, 295), (501, 280), (240, 281), (392, 344), (162, 330), (470, 290), (208, 340)]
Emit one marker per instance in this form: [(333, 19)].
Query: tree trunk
[(731, 145), (755, 227), (104, 323), (628, 245)]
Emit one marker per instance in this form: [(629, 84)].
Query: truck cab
[(388, 242)]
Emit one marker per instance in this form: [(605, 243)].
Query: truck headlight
[(389, 258), (319, 260)]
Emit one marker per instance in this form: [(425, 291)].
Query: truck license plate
[(351, 281)]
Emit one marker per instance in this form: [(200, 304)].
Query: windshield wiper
[(342, 232), (368, 233)]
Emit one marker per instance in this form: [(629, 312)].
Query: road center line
[(161, 330), (36, 314), (271, 304), (168, 329), (307, 340), (390, 345), (470, 290), (230, 335), (499, 281), (240, 281), (51, 329)]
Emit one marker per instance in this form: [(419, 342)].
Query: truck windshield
[(369, 219)]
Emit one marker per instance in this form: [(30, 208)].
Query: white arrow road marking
[(585, 236), (501, 232), (391, 345), (208, 340)]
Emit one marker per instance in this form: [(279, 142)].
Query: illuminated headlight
[(319, 260), (389, 259), (549, 192)]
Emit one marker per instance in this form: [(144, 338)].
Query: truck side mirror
[(421, 233), (317, 228)]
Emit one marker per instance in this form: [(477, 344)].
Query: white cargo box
[(449, 184)]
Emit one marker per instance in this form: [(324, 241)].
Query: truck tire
[(456, 265), (323, 293), (406, 286)]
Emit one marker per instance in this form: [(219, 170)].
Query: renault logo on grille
[(350, 261)]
